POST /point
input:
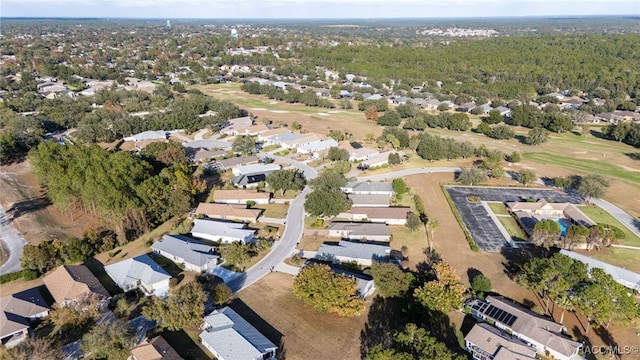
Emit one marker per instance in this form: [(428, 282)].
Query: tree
[(183, 309), (399, 186), (414, 343), (443, 106), (389, 118), (108, 340), (432, 225), (221, 294), (501, 132), (546, 233), (75, 314), (394, 159), (593, 186), (444, 293), (326, 291), (296, 125), (576, 234), (389, 279), (470, 176), (246, 145), (326, 202), (483, 128), (514, 157), (285, 179), (494, 117), (337, 154), (336, 135), (32, 349), (413, 221), (481, 284), (537, 136), (371, 113), (526, 177)]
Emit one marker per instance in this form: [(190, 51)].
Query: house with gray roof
[(346, 252), (545, 336), (17, 311), (504, 111), (432, 104), (364, 231), (358, 200), (368, 188), (230, 337), (140, 272), (365, 287), (207, 144), (185, 251), (222, 231), (278, 139), (148, 135), (255, 168)]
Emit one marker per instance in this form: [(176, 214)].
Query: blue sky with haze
[(326, 9)]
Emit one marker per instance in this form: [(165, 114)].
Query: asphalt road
[(282, 248), (13, 242)]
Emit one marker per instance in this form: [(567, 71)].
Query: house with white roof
[(361, 153), (222, 231), (377, 200), (148, 135), (317, 147), (234, 126), (346, 252), (230, 337), (380, 159), (365, 287), (364, 231), (368, 188), (255, 168), (280, 138), (300, 141), (140, 272), (185, 251)]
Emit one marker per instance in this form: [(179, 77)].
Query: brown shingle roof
[(71, 282), (239, 194), (155, 349), (15, 309), (228, 211)]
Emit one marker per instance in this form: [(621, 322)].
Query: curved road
[(283, 248), (13, 243)]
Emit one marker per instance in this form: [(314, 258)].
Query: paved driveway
[(13, 242)]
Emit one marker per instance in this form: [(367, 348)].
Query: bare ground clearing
[(32, 213)]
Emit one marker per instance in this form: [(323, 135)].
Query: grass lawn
[(313, 242), (416, 241), (512, 228), (625, 258), (602, 217), (498, 208), (187, 344), (289, 194), (585, 166), (278, 211)]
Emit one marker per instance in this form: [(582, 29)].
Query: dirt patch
[(31, 212), (305, 333)]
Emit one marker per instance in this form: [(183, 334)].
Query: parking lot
[(482, 228)]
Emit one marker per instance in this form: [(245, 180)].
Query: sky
[(310, 9)]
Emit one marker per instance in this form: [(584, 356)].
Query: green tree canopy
[(184, 308), (326, 291), (472, 175), (593, 186), (442, 294), (246, 145), (285, 179), (108, 340), (389, 279)]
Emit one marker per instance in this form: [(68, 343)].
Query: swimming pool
[(563, 225)]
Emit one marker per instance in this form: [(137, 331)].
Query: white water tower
[(168, 23), (234, 33)]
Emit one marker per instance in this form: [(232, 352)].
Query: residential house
[(208, 144), (70, 283), (627, 115), (347, 252), (608, 117), (304, 140), (625, 277), (222, 231), (230, 337), (17, 311), (466, 107), (322, 92), (545, 336), (231, 212), (368, 188), (277, 131), (364, 231), (485, 108), (140, 272), (279, 139), (185, 251), (155, 349), (380, 159), (241, 196), (388, 215), (419, 102), (359, 200), (346, 94), (234, 126), (484, 342), (249, 180), (317, 147), (226, 164), (147, 135), (357, 152), (432, 104), (255, 168), (504, 111)]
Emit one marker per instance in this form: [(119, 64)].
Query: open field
[(274, 210), (305, 333), (602, 217), (624, 258), (415, 241)]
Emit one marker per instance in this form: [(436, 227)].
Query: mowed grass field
[(602, 217)]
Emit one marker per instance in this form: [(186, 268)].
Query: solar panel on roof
[(500, 315)]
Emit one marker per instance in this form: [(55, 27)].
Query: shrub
[(30, 274)]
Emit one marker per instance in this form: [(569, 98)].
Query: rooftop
[(492, 341), (222, 229), (382, 212), (355, 250), (361, 228), (16, 308), (239, 194), (192, 251), (71, 282), (369, 186), (141, 268), (375, 199), (227, 211)]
